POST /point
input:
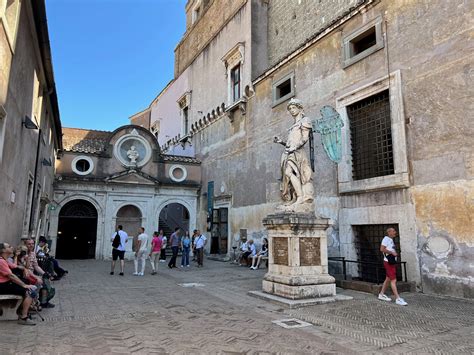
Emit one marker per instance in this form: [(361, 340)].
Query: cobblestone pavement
[(101, 314)]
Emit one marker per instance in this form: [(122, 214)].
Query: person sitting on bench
[(262, 253)]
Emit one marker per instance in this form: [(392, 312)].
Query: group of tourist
[(249, 255), (155, 249), (27, 271)]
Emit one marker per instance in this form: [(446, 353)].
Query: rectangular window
[(235, 83), (371, 137), (27, 212), (185, 120), (362, 42), (367, 243), (283, 89)]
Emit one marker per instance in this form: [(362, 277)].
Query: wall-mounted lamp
[(28, 123), (46, 162)]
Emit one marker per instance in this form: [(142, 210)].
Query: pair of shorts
[(390, 270), (11, 288), (118, 254)]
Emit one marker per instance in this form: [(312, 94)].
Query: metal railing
[(375, 265)]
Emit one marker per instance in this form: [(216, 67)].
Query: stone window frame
[(196, 12), (400, 179), (77, 159), (185, 102), (234, 57), (276, 101), (173, 168), (348, 58), (3, 120), (10, 30)]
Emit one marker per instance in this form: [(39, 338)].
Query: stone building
[(30, 127), (398, 74), (105, 179)]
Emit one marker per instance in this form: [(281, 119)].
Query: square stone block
[(299, 292)]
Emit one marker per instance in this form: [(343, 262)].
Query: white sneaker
[(135, 274), (384, 297), (181, 266), (140, 274), (401, 302)]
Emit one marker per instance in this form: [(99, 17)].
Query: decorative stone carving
[(133, 155), (297, 181), (329, 126)]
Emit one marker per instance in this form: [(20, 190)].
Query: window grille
[(371, 137)]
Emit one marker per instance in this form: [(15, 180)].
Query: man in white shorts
[(141, 252)]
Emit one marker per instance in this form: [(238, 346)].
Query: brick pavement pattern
[(101, 314)]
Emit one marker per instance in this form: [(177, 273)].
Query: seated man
[(10, 284), (252, 252), (243, 249), (47, 292), (52, 265)]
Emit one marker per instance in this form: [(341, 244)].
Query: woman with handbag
[(390, 265)]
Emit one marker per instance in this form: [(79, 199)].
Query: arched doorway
[(130, 218), (172, 216), (77, 230)]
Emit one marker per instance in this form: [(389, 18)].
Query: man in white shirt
[(388, 249), (118, 250), (141, 252), (199, 243), (244, 247)]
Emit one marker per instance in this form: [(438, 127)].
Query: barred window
[(371, 137)]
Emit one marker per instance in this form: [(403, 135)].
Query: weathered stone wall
[(197, 37), (141, 119), (18, 63), (292, 23), (428, 42)]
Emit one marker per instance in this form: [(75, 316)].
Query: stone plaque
[(280, 251), (310, 253)]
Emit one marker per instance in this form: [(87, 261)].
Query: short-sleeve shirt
[(388, 243), (123, 239), (5, 271), (199, 241), (174, 240), (143, 238), (253, 250), (244, 247)]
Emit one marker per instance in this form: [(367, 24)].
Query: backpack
[(116, 242)]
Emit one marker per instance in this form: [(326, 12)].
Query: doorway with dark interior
[(77, 231), (173, 215)]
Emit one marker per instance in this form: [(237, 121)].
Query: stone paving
[(208, 310)]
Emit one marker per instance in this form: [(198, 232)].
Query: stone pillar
[(298, 262)]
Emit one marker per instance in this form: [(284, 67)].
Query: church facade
[(105, 179)]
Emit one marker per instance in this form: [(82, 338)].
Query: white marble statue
[(133, 154), (297, 182)]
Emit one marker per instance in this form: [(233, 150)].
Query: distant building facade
[(398, 76), (105, 179), (30, 127)]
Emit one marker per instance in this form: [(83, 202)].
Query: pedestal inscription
[(280, 251), (310, 252)]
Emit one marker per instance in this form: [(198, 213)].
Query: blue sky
[(111, 57)]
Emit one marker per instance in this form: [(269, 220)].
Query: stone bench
[(8, 306)]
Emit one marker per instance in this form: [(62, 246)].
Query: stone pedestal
[(298, 262)]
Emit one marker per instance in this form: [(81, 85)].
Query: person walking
[(164, 243), (141, 252), (389, 263), (199, 243), (118, 239), (155, 252), (185, 247), (193, 237), (174, 242)]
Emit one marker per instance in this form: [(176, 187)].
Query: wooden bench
[(8, 306)]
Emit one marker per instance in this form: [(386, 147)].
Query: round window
[(178, 173), (82, 165)]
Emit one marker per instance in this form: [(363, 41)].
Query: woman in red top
[(10, 284)]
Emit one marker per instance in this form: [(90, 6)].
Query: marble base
[(283, 301), (296, 292)]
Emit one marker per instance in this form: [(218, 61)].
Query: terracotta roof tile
[(84, 140)]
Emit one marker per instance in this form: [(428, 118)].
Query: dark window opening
[(235, 82), (371, 137), (283, 89), (186, 120), (82, 165), (363, 42), (367, 243)]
